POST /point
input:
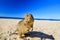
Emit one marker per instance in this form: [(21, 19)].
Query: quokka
[(25, 25)]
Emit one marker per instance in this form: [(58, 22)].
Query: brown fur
[(25, 25)]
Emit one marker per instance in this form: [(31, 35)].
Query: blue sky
[(46, 9)]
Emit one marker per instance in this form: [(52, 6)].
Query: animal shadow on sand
[(41, 35)]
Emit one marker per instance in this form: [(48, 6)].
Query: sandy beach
[(8, 26)]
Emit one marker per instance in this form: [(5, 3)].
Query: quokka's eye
[(28, 22)]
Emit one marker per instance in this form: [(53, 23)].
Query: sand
[(8, 26)]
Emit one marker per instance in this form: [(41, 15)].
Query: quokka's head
[(29, 18)]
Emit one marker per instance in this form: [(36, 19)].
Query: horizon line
[(34, 18)]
